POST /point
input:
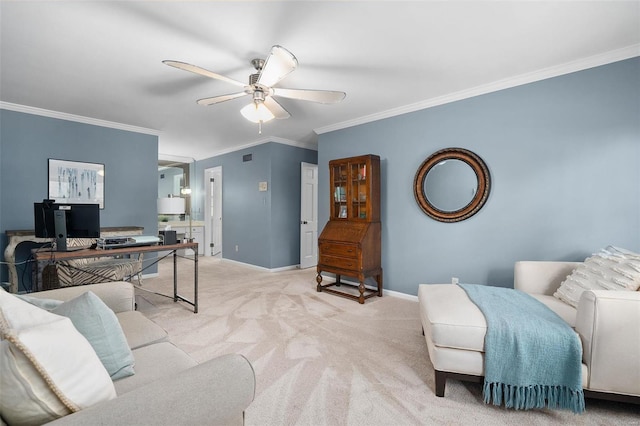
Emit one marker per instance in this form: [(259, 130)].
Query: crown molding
[(311, 146), (77, 118), (175, 158), (543, 74), (306, 145)]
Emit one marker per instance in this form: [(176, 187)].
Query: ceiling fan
[(269, 72)]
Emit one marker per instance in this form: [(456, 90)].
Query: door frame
[(212, 172)]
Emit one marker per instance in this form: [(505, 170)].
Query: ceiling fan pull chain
[(259, 127)]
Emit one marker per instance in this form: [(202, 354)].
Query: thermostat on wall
[(262, 186)]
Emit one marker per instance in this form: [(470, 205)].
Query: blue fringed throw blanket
[(532, 357)]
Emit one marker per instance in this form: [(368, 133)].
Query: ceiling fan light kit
[(264, 107), (257, 112)]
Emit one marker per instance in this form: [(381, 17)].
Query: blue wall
[(264, 225), (564, 157), (28, 141), (285, 202)]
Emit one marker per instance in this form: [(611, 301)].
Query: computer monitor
[(62, 221)]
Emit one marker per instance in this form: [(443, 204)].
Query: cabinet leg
[(361, 289), (338, 280), (319, 280), (379, 279)]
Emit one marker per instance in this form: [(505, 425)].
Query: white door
[(213, 211), (308, 215)]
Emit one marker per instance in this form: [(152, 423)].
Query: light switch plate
[(262, 186)]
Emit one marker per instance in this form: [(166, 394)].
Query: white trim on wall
[(77, 118), (311, 146), (111, 124), (262, 268), (555, 71)]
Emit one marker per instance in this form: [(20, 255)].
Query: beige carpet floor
[(325, 360)]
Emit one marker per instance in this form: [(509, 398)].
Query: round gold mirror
[(452, 185)]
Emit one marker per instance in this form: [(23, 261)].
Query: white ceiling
[(103, 60)]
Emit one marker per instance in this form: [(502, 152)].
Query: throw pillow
[(48, 368), (100, 326), (612, 268)]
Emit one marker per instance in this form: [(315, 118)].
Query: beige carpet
[(325, 360)]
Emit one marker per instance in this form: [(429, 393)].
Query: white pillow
[(610, 269), (48, 368)]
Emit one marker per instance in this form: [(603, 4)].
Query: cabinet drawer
[(344, 250), (340, 263)]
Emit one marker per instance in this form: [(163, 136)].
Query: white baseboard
[(262, 268), (284, 268), (399, 295), (150, 275), (391, 293)]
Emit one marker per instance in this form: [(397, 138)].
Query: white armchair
[(608, 323)]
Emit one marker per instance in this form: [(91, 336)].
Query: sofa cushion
[(100, 326), (119, 295), (139, 330), (450, 319), (610, 269), (46, 304), (567, 312), (216, 392), (154, 362), (48, 368)]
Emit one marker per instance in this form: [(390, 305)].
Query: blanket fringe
[(534, 396)]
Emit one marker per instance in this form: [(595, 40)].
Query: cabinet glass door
[(359, 190), (339, 179)]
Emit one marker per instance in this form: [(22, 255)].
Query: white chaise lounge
[(608, 323)]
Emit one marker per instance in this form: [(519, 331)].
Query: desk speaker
[(169, 237)]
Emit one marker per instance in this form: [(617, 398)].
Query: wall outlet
[(454, 280), (236, 247)]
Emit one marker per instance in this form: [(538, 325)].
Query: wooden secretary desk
[(349, 244)]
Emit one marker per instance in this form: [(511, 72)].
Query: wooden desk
[(55, 256)]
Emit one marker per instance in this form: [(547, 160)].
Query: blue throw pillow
[(100, 326)]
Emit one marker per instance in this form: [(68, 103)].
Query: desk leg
[(35, 277), (175, 275), (195, 282), (176, 296)]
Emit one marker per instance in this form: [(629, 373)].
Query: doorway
[(308, 215), (213, 211)]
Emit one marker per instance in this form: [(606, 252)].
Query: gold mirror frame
[(479, 199)]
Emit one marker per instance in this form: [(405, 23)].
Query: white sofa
[(608, 323), (168, 387)]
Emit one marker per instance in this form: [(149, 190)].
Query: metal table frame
[(55, 256)]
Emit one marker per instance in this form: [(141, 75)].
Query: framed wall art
[(75, 182)]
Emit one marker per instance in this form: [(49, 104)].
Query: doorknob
[(303, 222)]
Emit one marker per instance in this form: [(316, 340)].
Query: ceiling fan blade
[(320, 96), (221, 98), (201, 71), (278, 65), (276, 109)]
